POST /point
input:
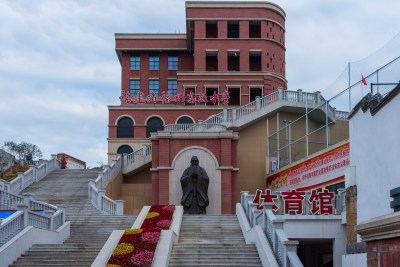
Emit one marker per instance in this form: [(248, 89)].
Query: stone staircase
[(212, 240), (90, 229)]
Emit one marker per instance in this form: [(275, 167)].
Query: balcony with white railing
[(281, 231), (200, 127)]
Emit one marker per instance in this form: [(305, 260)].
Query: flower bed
[(159, 216), (137, 246)]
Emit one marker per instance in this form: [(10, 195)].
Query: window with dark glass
[(172, 87), (125, 128), (134, 86), (210, 92), (135, 62), (233, 29), (255, 61), (233, 61), (234, 96), (334, 188), (255, 29), (154, 62), (153, 125), (212, 61), (172, 62), (153, 87), (187, 93), (124, 149), (185, 120), (254, 92), (211, 29)]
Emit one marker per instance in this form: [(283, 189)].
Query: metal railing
[(96, 194), (34, 174), (25, 215)]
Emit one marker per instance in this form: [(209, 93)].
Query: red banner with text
[(319, 170)]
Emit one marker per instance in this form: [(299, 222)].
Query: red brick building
[(230, 48)]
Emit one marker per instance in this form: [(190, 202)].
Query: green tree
[(11, 148)]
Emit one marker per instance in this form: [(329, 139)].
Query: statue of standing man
[(194, 182)]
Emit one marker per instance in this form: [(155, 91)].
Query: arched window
[(125, 128), (153, 125), (124, 149), (185, 120)]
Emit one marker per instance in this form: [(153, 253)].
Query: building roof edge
[(235, 4)]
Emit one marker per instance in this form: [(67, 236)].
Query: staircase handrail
[(25, 216), (230, 115), (34, 174), (103, 203), (10, 201), (284, 250), (108, 173), (96, 192), (141, 153)]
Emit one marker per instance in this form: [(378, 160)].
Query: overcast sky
[(59, 70)]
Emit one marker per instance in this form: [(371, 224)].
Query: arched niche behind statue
[(208, 161)]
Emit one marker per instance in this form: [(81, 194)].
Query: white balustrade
[(96, 194), (11, 226), (280, 95), (34, 174), (25, 216)]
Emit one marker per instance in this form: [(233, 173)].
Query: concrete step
[(90, 228)]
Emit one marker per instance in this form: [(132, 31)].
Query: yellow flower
[(133, 231), (113, 265), (152, 215), (123, 248)]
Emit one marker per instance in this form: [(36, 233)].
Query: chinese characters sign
[(165, 98), (321, 169), (321, 202)]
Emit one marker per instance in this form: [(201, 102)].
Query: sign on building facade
[(324, 168)]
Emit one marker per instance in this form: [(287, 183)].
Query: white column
[(120, 207)]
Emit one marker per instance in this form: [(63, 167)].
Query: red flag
[(363, 80)]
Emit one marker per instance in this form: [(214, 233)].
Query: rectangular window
[(172, 62), (254, 92), (154, 62), (254, 29), (212, 61), (134, 86), (187, 98), (211, 29), (233, 61), (234, 96), (153, 87), (210, 92), (172, 87), (135, 62), (255, 61), (233, 29)]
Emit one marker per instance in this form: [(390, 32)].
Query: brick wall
[(383, 253)]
